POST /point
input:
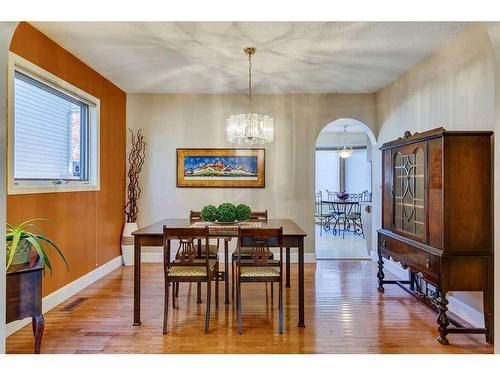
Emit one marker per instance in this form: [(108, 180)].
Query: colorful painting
[(220, 168)]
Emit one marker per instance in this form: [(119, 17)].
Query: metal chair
[(353, 215), (188, 266), (337, 210), (324, 217), (260, 267)]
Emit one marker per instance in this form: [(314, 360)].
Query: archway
[(343, 228)]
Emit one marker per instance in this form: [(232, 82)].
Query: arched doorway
[(343, 227)]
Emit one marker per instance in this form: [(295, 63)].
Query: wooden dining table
[(152, 235)]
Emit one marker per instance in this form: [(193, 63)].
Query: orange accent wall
[(87, 225)]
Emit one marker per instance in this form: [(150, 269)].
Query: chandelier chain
[(249, 83)]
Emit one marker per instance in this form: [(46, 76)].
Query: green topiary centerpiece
[(242, 212), (226, 213), (209, 213)]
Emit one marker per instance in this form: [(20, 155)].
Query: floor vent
[(74, 304)]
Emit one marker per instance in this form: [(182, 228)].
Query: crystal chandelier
[(345, 150), (250, 128)]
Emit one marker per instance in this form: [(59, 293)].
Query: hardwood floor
[(344, 314)]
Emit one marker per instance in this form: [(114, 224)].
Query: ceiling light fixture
[(345, 150), (250, 128)]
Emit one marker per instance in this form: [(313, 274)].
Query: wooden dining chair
[(260, 266), (188, 266), (245, 253), (213, 249)]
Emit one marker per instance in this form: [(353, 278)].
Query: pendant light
[(250, 128)]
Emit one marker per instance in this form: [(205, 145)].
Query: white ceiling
[(292, 57)]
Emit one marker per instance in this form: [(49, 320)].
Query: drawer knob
[(428, 263)]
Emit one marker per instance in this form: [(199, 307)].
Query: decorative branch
[(136, 158)]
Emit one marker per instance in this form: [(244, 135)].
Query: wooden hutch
[(437, 219)]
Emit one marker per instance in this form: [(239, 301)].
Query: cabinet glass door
[(409, 191)]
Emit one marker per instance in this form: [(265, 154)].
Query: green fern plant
[(28, 232)]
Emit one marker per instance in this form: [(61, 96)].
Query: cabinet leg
[(380, 273), (38, 324), (488, 317), (442, 318)]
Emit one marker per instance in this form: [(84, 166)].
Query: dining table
[(152, 235)]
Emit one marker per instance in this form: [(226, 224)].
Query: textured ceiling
[(292, 57)]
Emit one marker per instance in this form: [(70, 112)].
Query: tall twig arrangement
[(136, 158)]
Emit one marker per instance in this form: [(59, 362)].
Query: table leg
[(38, 324), (137, 281), (226, 272), (287, 267), (301, 282)]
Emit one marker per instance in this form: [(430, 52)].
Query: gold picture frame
[(221, 167)]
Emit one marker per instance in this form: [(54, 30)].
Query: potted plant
[(226, 213), (136, 158), (24, 237)]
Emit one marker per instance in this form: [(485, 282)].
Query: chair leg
[(177, 290), (217, 288), (165, 308), (174, 287), (198, 293), (343, 233), (281, 306), (232, 279), (238, 305), (272, 290), (361, 226), (209, 299)]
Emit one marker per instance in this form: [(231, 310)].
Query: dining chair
[(261, 266), (188, 266), (353, 215), (246, 252), (213, 249), (324, 217), (337, 210)]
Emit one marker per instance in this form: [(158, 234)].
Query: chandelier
[(345, 150), (250, 128)]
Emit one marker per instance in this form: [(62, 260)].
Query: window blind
[(46, 145)]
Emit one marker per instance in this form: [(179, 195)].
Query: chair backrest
[(258, 215), (186, 252), (259, 240), (332, 195), (318, 206), (194, 216), (355, 208), (366, 196)]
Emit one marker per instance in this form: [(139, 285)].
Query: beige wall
[(454, 88), (182, 120)]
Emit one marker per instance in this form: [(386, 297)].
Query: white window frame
[(51, 186)]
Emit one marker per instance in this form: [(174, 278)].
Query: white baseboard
[(157, 256), (456, 306), (62, 294)]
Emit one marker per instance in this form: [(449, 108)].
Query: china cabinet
[(437, 220)]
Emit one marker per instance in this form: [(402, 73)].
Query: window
[(327, 171), (358, 172), (53, 133)]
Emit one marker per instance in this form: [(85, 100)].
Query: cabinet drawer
[(409, 255)]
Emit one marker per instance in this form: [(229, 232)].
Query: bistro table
[(334, 202), (152, 235)]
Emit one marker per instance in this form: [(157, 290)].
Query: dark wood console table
[(24, 297)]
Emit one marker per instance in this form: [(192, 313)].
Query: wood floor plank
[(344, 313)]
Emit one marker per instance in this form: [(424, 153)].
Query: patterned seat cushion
[(260, 271), (194, 270)]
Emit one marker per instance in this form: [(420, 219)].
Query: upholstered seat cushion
[(197, 269), (263, 271)]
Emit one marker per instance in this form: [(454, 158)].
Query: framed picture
[(221, 167)]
